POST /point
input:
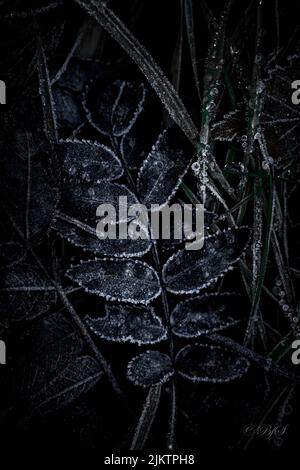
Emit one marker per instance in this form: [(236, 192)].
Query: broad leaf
[(77, 378), (174, 243), (124, 323), (53, 343), (82, 200), (29, 185), (150, 368), (88, 161), (202, 315), (189, 271), (115, 279), (164, 168), (211, 364), (84, 235), (76, 220), (26, 292), (113, 109)]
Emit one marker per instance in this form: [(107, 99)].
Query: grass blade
[(146, 419), (157, 79)]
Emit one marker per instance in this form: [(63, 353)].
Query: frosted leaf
[(77, 378), (77, 222), (48, 347), (210, 364), (229, 128), (116, 279), (150, 368), (203, 315), (280, 117), (172, 243), (80, 201), (26, 292), (29, 185), (84, 235), (189, 271), (114, 109), (52, 343), (164, 168), (88, 161), (125, 323)]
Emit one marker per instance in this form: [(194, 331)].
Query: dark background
[(211, 417)]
